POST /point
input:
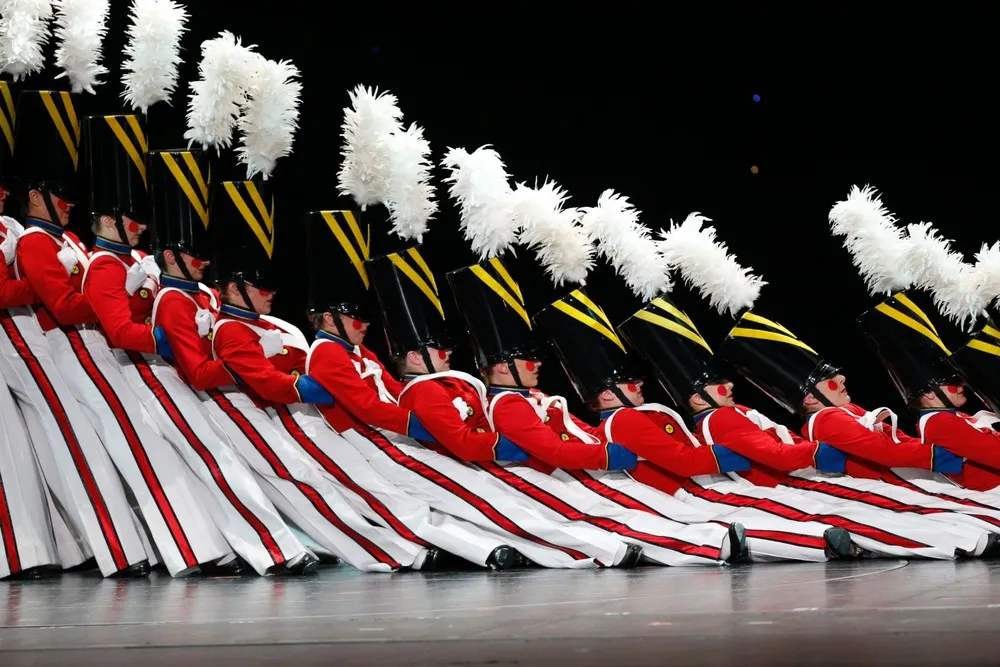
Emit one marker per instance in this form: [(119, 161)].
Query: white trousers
[(769, 536), (663, 541), (881, 532), (239, 507), (304, 493), (939, 486), (168, 495), (26, 538), (376, 498), (77, 469), (452, 487), (951, 517)]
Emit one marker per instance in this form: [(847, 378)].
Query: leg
[(247, 518), (74, 463), (301, 491)]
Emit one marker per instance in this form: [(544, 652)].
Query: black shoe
[(505, 558), (32, 573), (328, 559), (838, 543), (304, 566), (234, 568), (136, 571), (992, 546), (739, 552), (436, 559), (632, 556), (89, 564)]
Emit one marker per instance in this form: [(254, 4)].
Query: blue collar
[(931, 411), (55, 230), (610, 411), (701, 415), (326, 335), (113, 246), (179, 283), (493, 390), (412, 376), (239, 313)]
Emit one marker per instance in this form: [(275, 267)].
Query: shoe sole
[(838, 542), (739, 552)]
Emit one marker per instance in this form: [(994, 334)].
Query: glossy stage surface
[(881, 612)]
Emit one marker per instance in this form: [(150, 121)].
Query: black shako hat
[(47, 142), (665, 337), (115, 156), (338, 245), (179, 184), (243, 233)]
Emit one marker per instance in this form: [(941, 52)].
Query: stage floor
[(882, 612)]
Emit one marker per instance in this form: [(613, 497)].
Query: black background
[(658, 107)]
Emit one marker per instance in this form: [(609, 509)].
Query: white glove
[(462, 407), (152, 270), (205, 321), (67, 257), (9, 244), (135, 277), (271, 343)]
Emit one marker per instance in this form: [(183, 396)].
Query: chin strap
[(120, 227), (712, 404), (242, 289), (341, 331), (427, 359), (50, 207), (183, 265), (620, 395), (512, 366), (944, 399)]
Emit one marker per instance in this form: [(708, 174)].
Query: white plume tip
[(80, 28), (553, 232), (152, 52), (269, 117), (24, 33), (480, 187), (369, 123), (873, 239)]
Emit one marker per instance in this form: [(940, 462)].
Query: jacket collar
[(179, 283), (238, 313), (113, 246), (55, 230)]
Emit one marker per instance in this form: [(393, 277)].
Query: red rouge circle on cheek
[(442, 354), (196, 263), (632, 387), (529, 365), (133, 226), (356, 325), (723, 391), (952, 389), (832, 385), (62, 204)]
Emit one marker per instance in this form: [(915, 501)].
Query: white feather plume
[(873, 239), (706, 265), (553, 232), (410, 197), (218, 97), (152, 52), (24, 32), (80, 29), (270, 116), (369, 123), (480, 186), (613, 225), (987, 270), (935, 267)]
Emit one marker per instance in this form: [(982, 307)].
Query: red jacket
[(104, 287), (957, 432), (658, 438), (548, 442), (14, 291), (61, 300), (177, 304), (839, 428), (355, 400), (268, 382), (451, 409)]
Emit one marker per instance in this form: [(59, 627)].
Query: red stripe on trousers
[(786, 512), (174, 413), (446, 483), (877, 500), (300, 436), (314, 497), (625, 500), (573, 514), (69, 438), (7, 529), (135, 446), (906, 484)]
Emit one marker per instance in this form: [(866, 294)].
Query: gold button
[(149, 320), (76, 269), (471, 411), (295, 374), (564, 436), (144, 293), (669, 428), (211, 335), (284, 351), (480, 430), (547, 418)]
